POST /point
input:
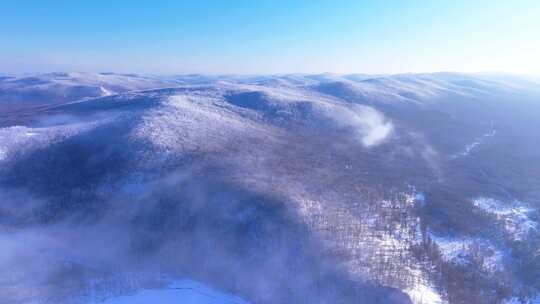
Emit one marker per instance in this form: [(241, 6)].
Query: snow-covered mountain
[(30, 91), (413, 188)]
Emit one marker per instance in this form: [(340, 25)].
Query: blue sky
[(269, 36)]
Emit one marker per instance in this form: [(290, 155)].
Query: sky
[(268, 37)]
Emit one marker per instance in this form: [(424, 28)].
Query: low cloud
[(371, 126)]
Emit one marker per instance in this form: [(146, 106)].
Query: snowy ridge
[(18, 140)]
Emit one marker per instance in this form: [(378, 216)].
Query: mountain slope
[(23, 92)]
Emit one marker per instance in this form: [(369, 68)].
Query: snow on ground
[(462, 250), (518, 301), (415, 197), (178, 292), (422, 291), (515, 216), (452, 249), (423, 294), (191, 123), (3, 153), (371, 126), (105, 91), (472, 146), (18, 139), (367, 250)]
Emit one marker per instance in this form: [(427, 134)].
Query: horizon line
[(19, 74)]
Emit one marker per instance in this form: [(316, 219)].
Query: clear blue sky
[(260, 36)]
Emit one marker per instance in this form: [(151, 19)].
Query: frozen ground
[(515, 216), (178, 292)]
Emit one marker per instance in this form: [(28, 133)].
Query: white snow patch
[(415, 198), (423, 294), (452, 249), (514, 216), (105, 92), (178, 292), (422, 291), (461, 250), (470, 147), (515, 300), (3, 153)]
